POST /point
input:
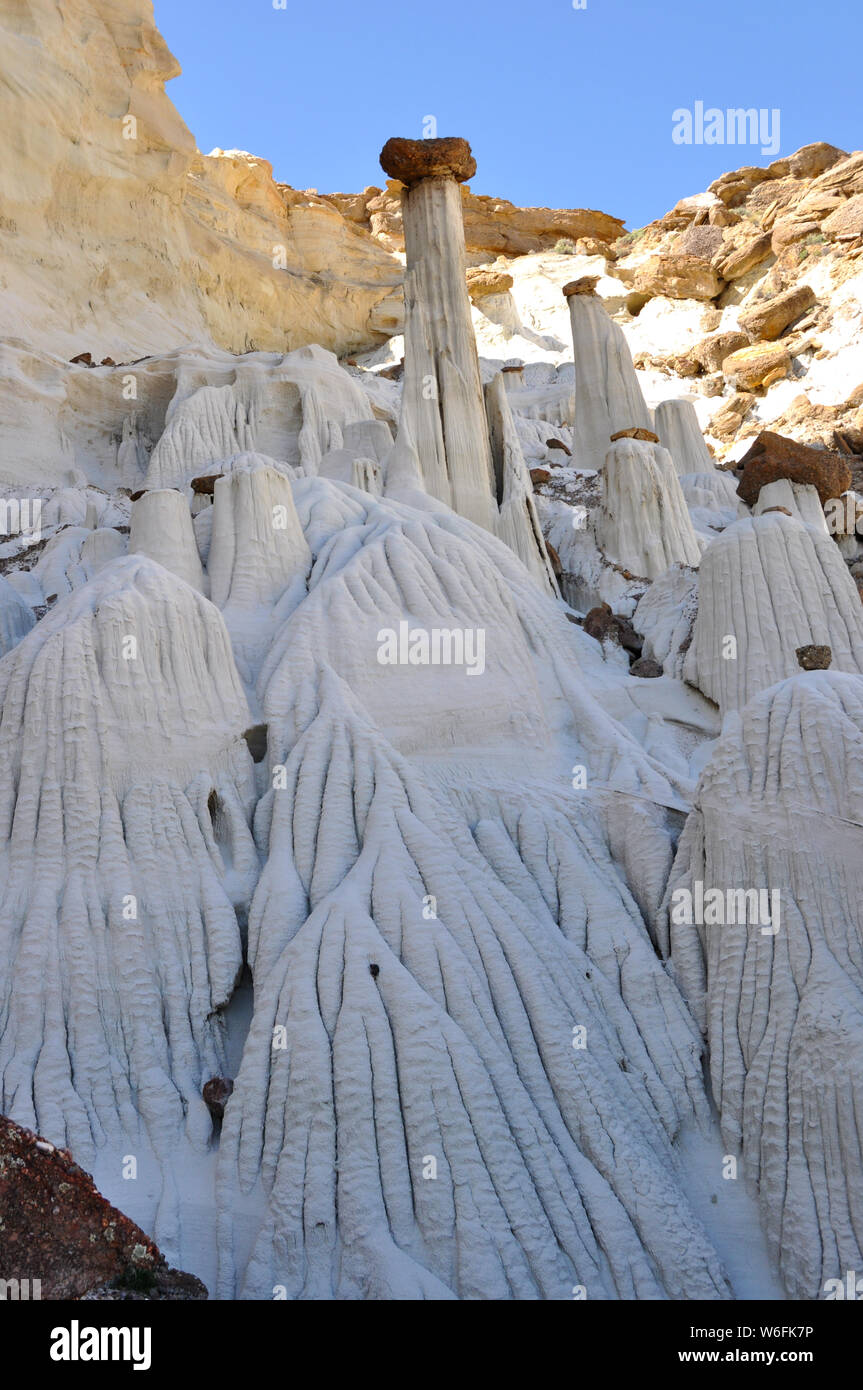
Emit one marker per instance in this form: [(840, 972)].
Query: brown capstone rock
[(558, 444), (814, 658), (56, 1227), (205, 485), (481, 283), (635, 432), (586, 285), (539, 475), (783, 510), (411, 161), (773, 456)]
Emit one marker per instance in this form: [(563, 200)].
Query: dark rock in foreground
[(55, 1227)]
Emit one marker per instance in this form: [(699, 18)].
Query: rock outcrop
[(59, 1239), (159, 245)]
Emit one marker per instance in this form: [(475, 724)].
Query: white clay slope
[(387, 1044), (767, 586), (124, 797), (780, 807)]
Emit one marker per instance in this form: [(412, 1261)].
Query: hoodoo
[(442, 403), (607, 394)]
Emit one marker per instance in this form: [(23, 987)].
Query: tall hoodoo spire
[(607, 394), (443, 412)]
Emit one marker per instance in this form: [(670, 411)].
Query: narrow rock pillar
[(443, 413)]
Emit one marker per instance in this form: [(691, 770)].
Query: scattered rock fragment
[(635, 432), (216, 1093), (813, 657)]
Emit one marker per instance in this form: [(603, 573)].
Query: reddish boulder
[(56, 1228), (410, 161), (605, 625), (772, 456), (217, 1092), (205, 484)]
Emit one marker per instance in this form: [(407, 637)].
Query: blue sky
[(564, 107)]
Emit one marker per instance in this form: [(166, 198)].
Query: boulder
[(769, 319), (790, 229), (703, 241), (646, 668), (814, 658), (216, 1093), (756, 366), (746, 256), (773, 456), (812, 160), (678, 275), (846, 221), (728, 419), (712, 351), (604, 625), (539, 475), (410, 161), (483, 282)]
